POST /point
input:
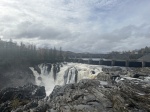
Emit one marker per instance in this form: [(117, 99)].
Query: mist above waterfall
[(60, 74)]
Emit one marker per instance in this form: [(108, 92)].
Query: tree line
[(12, 54), (124, 55)]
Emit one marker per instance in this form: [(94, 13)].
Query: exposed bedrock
[(97, 96), (89, 95), (114, 90), (14, 98), (36, 68), (16, 77)]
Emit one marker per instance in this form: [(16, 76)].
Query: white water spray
[(69, 73)]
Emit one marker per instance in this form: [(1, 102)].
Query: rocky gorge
[(115, 89)]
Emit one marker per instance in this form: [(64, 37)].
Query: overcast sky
[(77, 25)]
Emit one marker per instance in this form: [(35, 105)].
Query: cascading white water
[(69, 73)]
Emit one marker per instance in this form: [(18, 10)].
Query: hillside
[(145, 57), (124, 55)]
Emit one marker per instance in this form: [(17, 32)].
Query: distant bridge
[(110, 62)]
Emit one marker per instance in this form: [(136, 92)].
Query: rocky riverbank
[(113, 90), (16, 76)]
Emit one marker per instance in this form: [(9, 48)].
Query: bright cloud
[(77, 25)]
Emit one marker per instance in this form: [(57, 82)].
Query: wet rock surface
[(13, 98), (113, 90)]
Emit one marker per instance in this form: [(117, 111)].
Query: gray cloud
[(30, 30), (80, 26)]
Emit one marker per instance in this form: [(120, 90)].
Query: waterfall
[(60, 74)]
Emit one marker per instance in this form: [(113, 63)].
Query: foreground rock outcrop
[(114, 90), (19, 98), (99, 96)]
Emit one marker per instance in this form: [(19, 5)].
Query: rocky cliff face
[(16, 77), (20, 98), (99, 96), (114, 90)]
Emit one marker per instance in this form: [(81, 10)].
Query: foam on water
[(83, 71)]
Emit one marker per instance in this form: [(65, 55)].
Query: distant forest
[(124, 55), (14, 55)]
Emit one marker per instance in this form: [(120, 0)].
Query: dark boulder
[(93, 72), (36, 68), (49, 67)]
